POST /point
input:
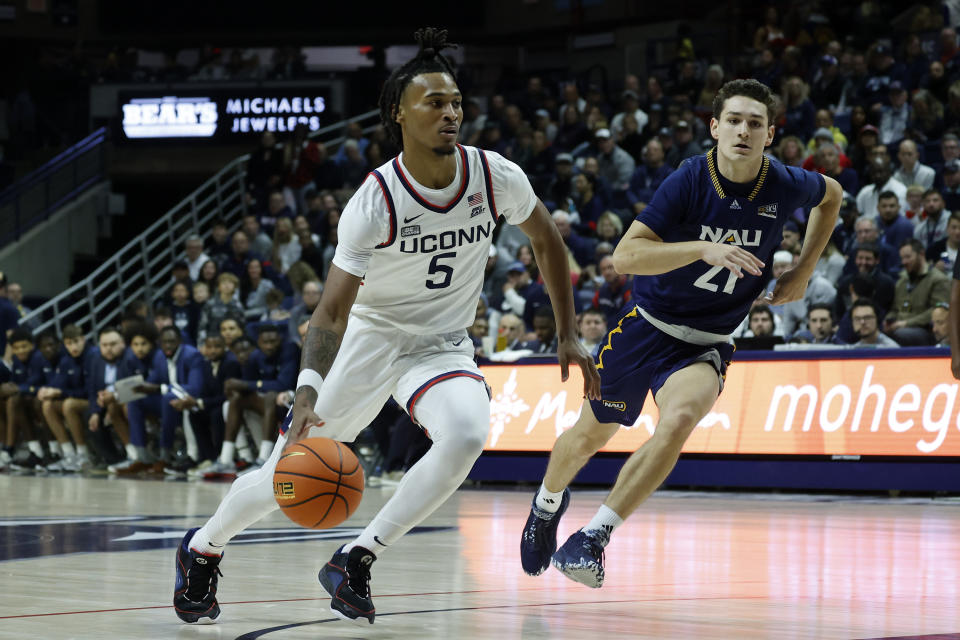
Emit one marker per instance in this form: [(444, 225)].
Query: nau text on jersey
[(446, 240), (741, 237)]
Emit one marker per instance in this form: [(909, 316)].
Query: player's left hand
[(571, 351), (791, 285)]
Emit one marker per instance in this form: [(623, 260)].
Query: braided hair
[(428, 60)]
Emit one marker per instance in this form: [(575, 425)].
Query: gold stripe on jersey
[(764, 167), (615, 330)]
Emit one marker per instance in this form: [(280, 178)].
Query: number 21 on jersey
[(703, 281)]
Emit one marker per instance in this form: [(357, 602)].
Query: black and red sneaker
[(195, 593), (346, 577)]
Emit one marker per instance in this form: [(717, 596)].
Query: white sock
[(547, 500), (266, 448), (131, 452), (82, 451), (227, 451), (605, 520), (68, 450), (367, 541), (140, 454), (55, 448), (203, 545), (34, 446)]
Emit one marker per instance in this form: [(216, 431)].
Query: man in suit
[(180, 375)]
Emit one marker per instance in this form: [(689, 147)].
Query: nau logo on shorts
[(410, 231), (768, 210), (615, 404), (283, 491)]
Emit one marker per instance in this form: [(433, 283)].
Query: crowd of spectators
[(221, 347)]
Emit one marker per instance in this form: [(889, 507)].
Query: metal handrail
[(34, 197), (135, 270)]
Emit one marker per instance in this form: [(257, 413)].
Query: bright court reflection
[(98, 554)]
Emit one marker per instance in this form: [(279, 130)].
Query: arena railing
[(142, 268), (32, 199)]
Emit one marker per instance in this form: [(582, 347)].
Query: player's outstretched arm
[(321, 344), (551, 257), (792, 284), (642, 252)]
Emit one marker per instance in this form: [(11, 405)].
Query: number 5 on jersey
[(704, 281), (436, 268)]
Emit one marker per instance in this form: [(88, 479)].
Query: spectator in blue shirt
[(240, 254), (271, 369), (206, 410), (180, 373), (184, 311), (647, 176), (138, 359), (65, 403), (894, 228), (9, 317), (613, 293), (19, 395), (581, 247), (103, 370)]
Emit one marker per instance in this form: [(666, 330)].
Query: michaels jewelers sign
[(220, 114)]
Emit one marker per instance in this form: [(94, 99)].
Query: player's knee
[(466, 437), (676, 428), (587, 443)]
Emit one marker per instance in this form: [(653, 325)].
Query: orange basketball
[(318, 483)]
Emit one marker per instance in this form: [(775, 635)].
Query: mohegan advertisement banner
[(855, 407)]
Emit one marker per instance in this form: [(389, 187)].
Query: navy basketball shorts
[(636, 357)]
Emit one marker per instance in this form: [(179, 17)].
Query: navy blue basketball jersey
[(696, 203)]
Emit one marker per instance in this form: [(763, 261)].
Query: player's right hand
[(732, 258), (304, 417)]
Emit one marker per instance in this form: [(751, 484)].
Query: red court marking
[(391, 595)]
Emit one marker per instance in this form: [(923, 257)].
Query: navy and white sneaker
[(539, 539), (346, 577), (195, 593), (581, 557)]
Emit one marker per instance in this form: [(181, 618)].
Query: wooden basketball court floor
[(93, 558)]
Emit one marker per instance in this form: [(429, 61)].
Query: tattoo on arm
[(320, 347)]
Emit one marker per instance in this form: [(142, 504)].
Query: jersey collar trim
[(715, 179), (423, 202)]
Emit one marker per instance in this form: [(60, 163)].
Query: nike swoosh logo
[(457, 343), (409, 220), (377, 540)]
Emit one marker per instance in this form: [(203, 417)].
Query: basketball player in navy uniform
[(402, 289), (701, 252)]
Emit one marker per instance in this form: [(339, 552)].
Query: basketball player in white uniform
[(403, 287)]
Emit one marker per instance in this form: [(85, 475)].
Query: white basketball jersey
[(422, 252)]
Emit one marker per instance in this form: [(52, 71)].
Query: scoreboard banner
[(839, 407)]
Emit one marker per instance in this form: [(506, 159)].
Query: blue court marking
[(30, 537)]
